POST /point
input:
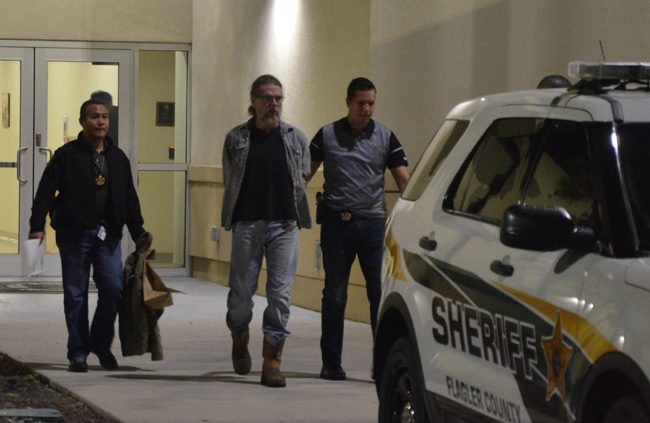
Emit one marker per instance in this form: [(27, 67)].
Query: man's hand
[(37, 235), (315, 164)]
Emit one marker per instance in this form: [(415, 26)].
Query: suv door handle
[(500, 268), (428, 243)]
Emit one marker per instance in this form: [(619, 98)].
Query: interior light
[(284, 20)]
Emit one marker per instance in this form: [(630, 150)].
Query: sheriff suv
[(516, 275)]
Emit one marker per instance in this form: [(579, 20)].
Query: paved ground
[(195, 381)]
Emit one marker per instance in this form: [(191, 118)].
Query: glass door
[(16, 165), (64, 79), (41, 90), (162, 151)]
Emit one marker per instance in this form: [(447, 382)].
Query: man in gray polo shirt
[(355, 152)]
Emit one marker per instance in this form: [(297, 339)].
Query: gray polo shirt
[(354, 165)]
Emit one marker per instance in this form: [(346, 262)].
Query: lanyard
[(98, 161)]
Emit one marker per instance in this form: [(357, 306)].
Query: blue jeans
[(252, 241), (341, 242), (78, 252)]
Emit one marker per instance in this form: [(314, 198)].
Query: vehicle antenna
[(602, 50)]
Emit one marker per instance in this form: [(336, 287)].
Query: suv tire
[(626, 409), (400, 396)]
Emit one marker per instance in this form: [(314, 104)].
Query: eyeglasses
[(270, 98)]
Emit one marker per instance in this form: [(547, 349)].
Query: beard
[(271, 118), (268, 116)]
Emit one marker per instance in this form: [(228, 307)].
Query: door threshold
[(5, 279)]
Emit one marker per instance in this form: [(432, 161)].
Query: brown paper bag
[(156, 294)]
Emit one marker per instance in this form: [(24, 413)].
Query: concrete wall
[(315, 47), (426, 56), (97, 20)]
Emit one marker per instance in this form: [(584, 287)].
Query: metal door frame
[(12, 264), (128, 91)]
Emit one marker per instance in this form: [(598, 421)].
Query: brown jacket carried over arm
[(139, 314)]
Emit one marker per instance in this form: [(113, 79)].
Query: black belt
[(324, 212), (343, 215)]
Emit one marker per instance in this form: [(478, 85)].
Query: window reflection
[(493, 178)]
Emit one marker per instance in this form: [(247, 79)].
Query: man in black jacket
[(96, 197)]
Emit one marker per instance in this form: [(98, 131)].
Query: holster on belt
[(323, 212)]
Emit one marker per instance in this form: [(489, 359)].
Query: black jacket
[(70, 176)]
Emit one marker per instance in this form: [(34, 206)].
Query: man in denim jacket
[(266, 165)]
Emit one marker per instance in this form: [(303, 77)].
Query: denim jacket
[(235, 153)]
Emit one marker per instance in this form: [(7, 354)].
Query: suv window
[(635, 162), (492, 177), (438, 149), (563, 175)]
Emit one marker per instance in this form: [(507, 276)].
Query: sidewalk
[(195, 382)]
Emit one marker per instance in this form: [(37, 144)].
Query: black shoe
[(107, 360), (336, 373), (78, 365)]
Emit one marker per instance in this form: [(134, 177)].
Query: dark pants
[(341, 242), (78, 252)]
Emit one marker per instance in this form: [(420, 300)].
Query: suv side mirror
[(544, 228)]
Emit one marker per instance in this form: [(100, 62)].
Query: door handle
[(47, 150), (37, 142), (500, 268), (20, 150), (428, 243)]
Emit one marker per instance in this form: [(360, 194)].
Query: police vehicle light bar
[(634, 71)]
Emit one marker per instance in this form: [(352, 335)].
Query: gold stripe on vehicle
[(396, 270), (589, 339)]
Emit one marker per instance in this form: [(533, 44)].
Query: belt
[(343, 215)]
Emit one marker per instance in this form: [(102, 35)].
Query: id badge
[(101, 233)]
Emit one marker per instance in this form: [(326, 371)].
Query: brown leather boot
[(271, 375), (241, 359)]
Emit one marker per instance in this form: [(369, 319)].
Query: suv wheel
[(626, 409), (400, 399)]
